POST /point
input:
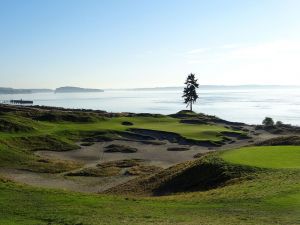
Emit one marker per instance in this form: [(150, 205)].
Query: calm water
[(249, 105)]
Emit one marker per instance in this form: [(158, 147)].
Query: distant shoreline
[(4, 90), (66, 89), (204, 87)]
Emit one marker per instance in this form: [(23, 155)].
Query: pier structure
[(17, 102)]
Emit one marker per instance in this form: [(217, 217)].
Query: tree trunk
[(191, 107)]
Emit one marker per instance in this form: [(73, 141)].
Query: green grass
[(269, 197), (167, 124), (265, 156), (163, 123), (28, 135), (190, 131)]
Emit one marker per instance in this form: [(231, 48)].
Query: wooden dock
[(21, 102)]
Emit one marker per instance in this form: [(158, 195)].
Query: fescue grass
[(167, 124), (266, 196), (269, 197), (17, 145), (163, 123)]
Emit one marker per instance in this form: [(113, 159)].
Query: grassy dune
[(22, 133), (168, 124), (255, 185), (261, 197), (163, 123)]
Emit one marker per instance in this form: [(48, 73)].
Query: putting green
[(265, 156)]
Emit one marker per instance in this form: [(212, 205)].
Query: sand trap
[(58, 181), (90, 156), (154, 154)]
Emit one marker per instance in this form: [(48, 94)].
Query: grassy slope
[(164, 123), (266, 157), (272, 197), (168, 124), (199, 175), (269, 197), (16, 147)]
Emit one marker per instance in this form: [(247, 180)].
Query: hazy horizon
[(166, 87), (130, 44)]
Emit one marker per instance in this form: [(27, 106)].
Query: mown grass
[(27, 135), (163, 123), (267, 197), (265, 156), (167, 124)]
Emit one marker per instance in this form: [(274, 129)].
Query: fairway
[(265, 156), (201, 132)]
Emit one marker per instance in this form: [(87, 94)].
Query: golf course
[(70, 167), (132, 112)]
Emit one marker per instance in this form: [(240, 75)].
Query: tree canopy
[(268, 122), (190, 95)]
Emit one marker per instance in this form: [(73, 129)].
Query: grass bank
[(265, 197)]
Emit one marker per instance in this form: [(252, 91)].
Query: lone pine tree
[(190, 95)]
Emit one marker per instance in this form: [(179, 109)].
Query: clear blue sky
[(147, 43)]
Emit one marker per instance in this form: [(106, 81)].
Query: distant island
[(67, 89), (13, 91), (75, 90), (41, 90), (70, 89), (4, 90)]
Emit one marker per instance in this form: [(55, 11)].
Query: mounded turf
[(277, 157), (260, 197), (23, 132), (268, 197), (166, 124)]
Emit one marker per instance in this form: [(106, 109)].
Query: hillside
[(247, 196), (75, 90), (4, 90), (94, 167), (23, 91)]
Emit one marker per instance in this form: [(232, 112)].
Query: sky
[(148, 43)]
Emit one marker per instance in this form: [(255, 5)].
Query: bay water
[(240, 103)]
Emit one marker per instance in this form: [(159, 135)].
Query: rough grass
[(96, 172), (223, 192), (191, 131), (284, 140), (265, 156), (120, 148), (17, 152), (166, 124), (205, 173), (269, 197), (50, 166), (40, 142), (59, 116), (133, 167), (158, 123), (7, 125), (28, 130), (142, 170)]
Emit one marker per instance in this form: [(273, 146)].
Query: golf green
[(265, 156)]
